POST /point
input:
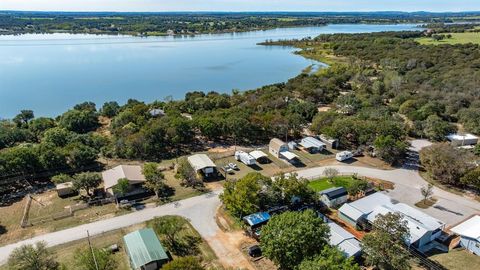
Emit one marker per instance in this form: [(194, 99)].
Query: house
[(277, 146), (260, 156), (342, 239), (312, 145), (254, 222), (279, 149), (353, 212), (201, 163), (65, 189), (333, 143), (462, 140), (144, 250), (423, 228), (469, 232), (334, 196), (342, 156), (133, 173)]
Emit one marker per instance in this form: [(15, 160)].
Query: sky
[(241, 5)]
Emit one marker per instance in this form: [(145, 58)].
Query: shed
[(133, 173), (333, 143), (144, 250), (65, 189), (257, 219), (469, 232), (277, 146), (462, 139), (312, 145), (345, 241), (202, 163), (260, 156), (334, 196), (288, 155)]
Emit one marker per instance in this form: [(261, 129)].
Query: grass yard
[(457, 259), (338, 181), (457, 38)]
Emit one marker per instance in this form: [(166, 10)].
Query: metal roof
[(258, 154), (335, 192), (200, 162), (350, 211), (461, 137), (257, 218), (276, 144), (143, 247), (131, 172), (344, 240), (469, 228), (288, 155), (368, 203), (310, 142)]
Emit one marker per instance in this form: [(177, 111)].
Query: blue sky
[(241, 5)]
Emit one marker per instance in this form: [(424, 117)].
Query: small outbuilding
[(277, 146), (260, 156), (334, 196), (312, 145), (133, 173), (144, 250), (201, 163), (462, 139), (333, 143), (469, 232), (65, 189), (344, 241), (254, 222)]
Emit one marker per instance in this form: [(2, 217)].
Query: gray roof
[(364, 206), (200, 162), (334, 192), (131, 172), (310, 142), (345, 241), (276, 144)]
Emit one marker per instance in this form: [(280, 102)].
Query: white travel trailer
[(345, 155), (245, 158)]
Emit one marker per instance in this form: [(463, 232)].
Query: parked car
[(233, 166), (254, 251), (227, 169)]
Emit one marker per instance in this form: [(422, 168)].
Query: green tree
[(472, 178), (389, 149), (445, 163), (86, 181), (436, 129), (39, 125), (84, 259), (187, 174), (241, 197), (23, 118), (61, 178), (184, 263), (32, 257), (330, 258), (291, 237), (384, 247), (293, 189), (80, 121), (122, 187), (169, 228), (110, 109), (154, 178)]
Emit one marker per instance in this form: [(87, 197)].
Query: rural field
[(457, 38)]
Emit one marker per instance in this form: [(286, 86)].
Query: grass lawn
[(338, 181), (458, 259), (457, 38)]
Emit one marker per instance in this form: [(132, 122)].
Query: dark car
[(254, 251)]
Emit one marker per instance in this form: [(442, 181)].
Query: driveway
[(200, 210)]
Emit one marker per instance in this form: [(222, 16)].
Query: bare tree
[(427, 192), (330, 173)]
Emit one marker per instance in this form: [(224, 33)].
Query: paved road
[(199, 210)]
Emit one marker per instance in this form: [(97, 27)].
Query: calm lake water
[(51, 73)]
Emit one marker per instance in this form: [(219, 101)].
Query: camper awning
[(288, 155)]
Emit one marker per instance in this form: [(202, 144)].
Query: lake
[(49, 73)]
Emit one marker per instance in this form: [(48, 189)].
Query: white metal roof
[(350, 211), (258, 154), (461, 137), (469, 228), (131, 172), (200, 162), (288, 155), (310, 142), (344, 240), (64, 185), (368, 203)]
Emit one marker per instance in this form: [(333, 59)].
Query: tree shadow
[(3, 229)]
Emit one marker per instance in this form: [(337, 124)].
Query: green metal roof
[(143, 247)]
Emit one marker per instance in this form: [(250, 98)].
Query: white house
[(202, 163), (423, 228), (462, 139), (469, 232), (334, 196), (312, 145)]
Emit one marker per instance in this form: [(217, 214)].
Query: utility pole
[(93, 253)]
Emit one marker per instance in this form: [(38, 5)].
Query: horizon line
[(244, 11)]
